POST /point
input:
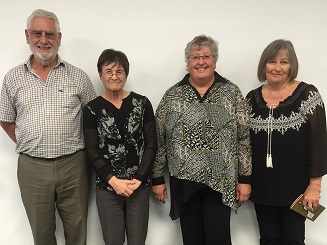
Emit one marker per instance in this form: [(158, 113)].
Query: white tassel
[(269, 161)]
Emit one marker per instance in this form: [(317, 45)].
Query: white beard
[(45, 58)]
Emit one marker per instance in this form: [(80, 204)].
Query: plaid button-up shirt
[(48, 115)]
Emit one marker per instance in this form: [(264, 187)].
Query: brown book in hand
[(298, 207)]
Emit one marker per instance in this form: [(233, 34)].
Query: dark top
[(298, 144), (120, 142)]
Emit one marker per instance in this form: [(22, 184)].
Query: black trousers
[(206, 220), (279, 225)]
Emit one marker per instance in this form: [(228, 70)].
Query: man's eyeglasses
[(205, 57), (110, 73), (38, 34)]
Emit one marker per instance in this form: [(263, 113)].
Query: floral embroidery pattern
[(296, 119), (113, 144)]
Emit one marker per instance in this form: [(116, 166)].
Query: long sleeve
[(160, 161), (96, 160), (150, 144), (317, 139), (244, 140)]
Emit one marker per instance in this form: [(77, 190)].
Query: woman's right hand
[(121, 186), (160, 192)]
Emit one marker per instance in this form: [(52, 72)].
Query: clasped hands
[(124, 187)]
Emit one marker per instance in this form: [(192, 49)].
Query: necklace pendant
[(269, 163)]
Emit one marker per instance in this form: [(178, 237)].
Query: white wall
[(153, 34)]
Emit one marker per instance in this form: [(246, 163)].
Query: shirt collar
[(27, 63), (185, 80)]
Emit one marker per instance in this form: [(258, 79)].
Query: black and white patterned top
[(120, 142), (204, 140), (298, 144), (48, 115)]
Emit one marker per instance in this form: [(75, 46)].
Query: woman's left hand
[(312, 194), (311, 198), (243, 192), (136, 184)]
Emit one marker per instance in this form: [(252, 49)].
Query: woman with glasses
[(203, 136), (288, 135), (121, 144)]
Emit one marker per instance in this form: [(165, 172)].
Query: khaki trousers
[(48, 184)]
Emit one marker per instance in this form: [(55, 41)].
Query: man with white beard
[(41, 111)]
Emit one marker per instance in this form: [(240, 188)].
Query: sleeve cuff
[(244, 179), (140, 177), (158, 181), (109, 177)]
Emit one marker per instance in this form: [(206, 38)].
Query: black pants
[(279, 225), (206, 220)]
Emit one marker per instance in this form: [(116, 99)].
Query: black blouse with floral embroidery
[(120, 142), (298, 144)]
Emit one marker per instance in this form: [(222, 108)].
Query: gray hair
[(270, 53), (43, 13), (200, 41)]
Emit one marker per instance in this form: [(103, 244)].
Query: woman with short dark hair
[(121, 144)]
